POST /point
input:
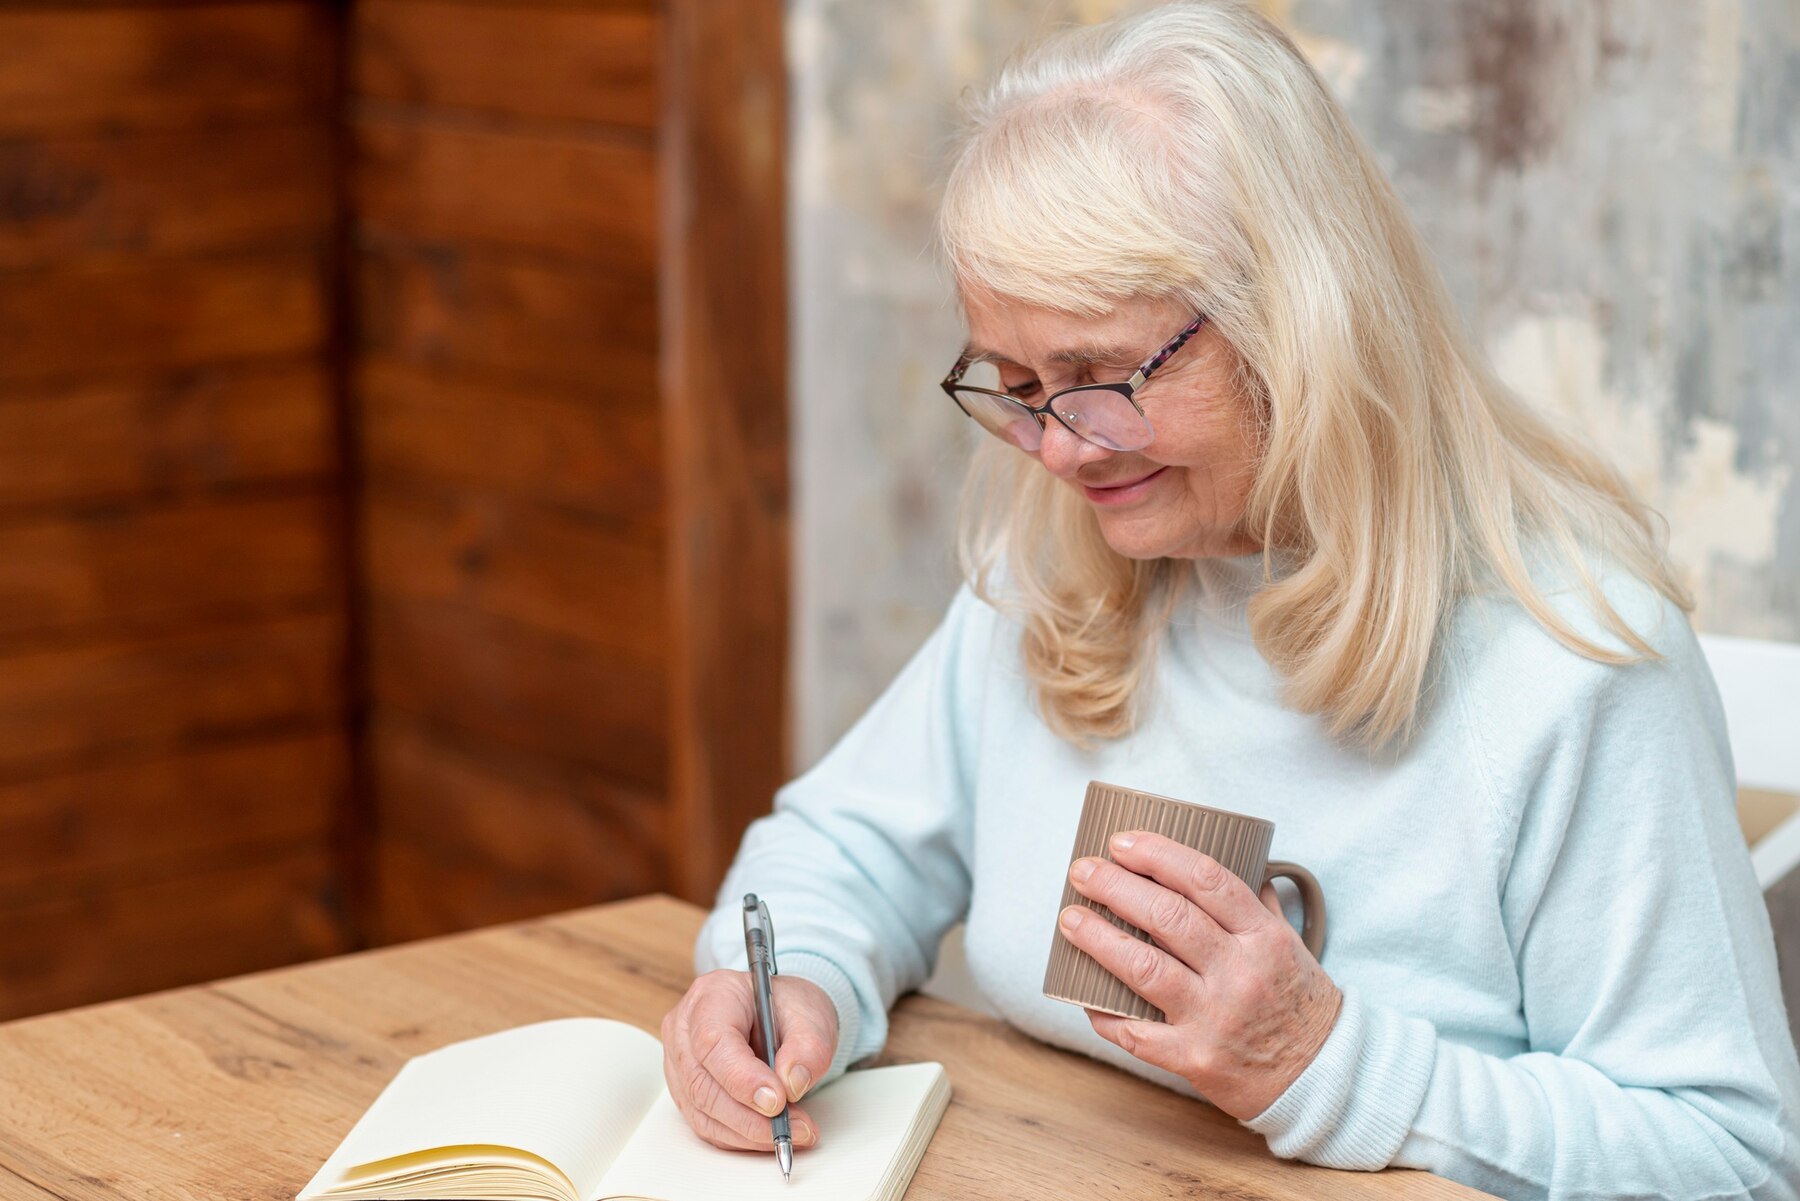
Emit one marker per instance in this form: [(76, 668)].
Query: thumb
[(808, 1023), (1272, 900)]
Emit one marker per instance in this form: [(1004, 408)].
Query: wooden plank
[(166, 436), (593, 451), (117, 824), (470, 839), (125, 573), (566, 63), (60, 708), (585, 200), (520, 690), (162, 67), (262, 1076), (275, 908), (594, 586), (159, 314), (163, 193), (505, 313), (724, 305)]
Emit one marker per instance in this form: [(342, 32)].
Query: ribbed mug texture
[(1239, 842)]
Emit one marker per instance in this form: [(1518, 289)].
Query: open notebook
[(575, 1109)]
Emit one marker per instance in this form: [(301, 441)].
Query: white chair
[(1760, 685)]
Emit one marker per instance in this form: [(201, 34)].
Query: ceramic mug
[(1239, 842)]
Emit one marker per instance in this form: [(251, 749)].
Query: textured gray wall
[(1612, 188)]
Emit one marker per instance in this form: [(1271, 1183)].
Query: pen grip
[(762, 988)]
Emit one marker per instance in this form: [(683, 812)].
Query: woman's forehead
[(1020, 332)]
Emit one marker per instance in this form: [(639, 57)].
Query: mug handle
[(1312, 902)]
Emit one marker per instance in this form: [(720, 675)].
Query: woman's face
[(1183, 495)]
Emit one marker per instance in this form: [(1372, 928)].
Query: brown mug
[(1239, 842)]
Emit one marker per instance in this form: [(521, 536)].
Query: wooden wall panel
[(188, 191), (495, 683), (577, 64), (595, 452), (510, 436), (68, 579), (162, 66), (724, 289), (167, 436), (173, 663), (509, 315), (154, 315), (572, 578), (472, 838), (260, 911), (578, 197), (128, 822), (63, 709)]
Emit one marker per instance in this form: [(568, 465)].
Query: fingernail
[(1071, 917), (1081, 870), (799, 1080), (1122, 842), (768, 1100), (804, 1133)]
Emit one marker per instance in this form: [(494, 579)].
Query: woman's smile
[(1124, 493)]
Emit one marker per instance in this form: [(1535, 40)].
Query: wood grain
[(595, 585), (147, 315), (584, 199), (187, 192), (109, 575), (518, 689), (593, 451), (517, 315), (242, 1088), (161, 437), (577, 64), (724, 306), (471, 836), (61, 708), (138, 820), (276, 905), (117, 68)]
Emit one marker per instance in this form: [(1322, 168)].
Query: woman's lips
[(1120, 494)]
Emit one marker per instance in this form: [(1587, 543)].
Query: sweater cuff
[(808, 965), (1354, 1104)]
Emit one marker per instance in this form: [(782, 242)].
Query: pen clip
[(768, 923)]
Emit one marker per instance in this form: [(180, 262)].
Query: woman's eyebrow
[(1078, 356)]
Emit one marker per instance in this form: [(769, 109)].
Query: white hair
[(1191, 153)]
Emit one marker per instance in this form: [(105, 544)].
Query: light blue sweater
[(1558, 973)]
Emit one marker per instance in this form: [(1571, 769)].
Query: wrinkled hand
[(1247, 1006), (720, 1084)]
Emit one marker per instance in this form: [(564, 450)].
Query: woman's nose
[(1064, 452)]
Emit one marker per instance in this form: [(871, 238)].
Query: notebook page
[(570, 1090), (866, 1119)]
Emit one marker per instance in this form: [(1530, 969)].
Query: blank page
[(873, 1127), (570, 1091)]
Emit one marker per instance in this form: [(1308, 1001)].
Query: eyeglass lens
[(1098, 413)]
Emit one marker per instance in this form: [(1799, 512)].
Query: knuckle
[(1167, 912), (1209, 874), (1145, 964)]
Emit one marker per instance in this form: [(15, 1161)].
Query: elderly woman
[(1259, 527)]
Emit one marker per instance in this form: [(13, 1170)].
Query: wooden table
[(242, 1087)]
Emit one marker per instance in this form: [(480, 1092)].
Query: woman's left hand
[(1247, 1005)]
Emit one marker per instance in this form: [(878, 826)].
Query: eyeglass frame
[(1127, 388)]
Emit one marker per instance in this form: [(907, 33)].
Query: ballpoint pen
[(759, 942)]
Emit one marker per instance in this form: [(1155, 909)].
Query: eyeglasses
[(1105, 414)]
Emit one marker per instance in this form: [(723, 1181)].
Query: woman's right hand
[(723, 1088)]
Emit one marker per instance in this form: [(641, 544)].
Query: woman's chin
[(1139, 539)]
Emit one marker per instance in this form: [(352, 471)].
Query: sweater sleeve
[(864, 862), (1659, 1061)]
